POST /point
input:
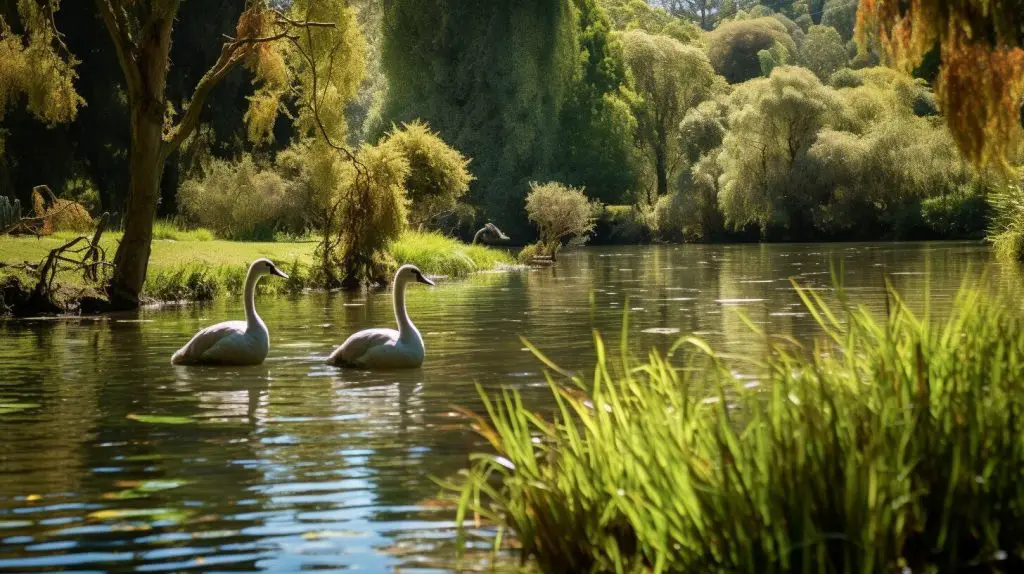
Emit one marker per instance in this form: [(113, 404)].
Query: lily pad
[(160, 420)]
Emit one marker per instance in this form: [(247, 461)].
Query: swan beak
[(279, 273), (422, 279)]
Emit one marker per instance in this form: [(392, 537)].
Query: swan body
[(387, 348), (489, 234), (233, 342)]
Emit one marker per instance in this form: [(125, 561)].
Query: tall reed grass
[(890, 445), (436, 254)]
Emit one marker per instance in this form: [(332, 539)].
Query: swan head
[(265, 266), (411, 273)]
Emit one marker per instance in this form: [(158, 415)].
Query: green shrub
[(893, 444), (438, 174), (560, 212), (621, 224), (957, 215), (845, 78), (239, 200), (677, 217)]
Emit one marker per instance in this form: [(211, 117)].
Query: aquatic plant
[(891, 443)]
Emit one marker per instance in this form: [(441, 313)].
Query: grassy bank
[(893, 445), (191, 265)]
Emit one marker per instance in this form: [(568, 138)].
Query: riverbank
[(192, 266), (891, 444)]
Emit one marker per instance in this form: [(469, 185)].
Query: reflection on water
[(111, 458)]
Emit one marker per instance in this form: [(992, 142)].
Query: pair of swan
[(247, 342)]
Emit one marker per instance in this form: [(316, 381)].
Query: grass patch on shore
[(893, 444), (437, 254), (191, 265)]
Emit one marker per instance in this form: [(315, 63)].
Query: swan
[(386, 348), (489, 234), (233, 342)]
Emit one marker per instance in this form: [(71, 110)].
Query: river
[(112, 459)]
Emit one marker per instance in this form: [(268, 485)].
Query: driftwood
[(81, 254), (46, 208)]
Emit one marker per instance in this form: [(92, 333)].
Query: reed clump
[(893, 443)]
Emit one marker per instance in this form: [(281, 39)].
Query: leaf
[(161, 420), (6, 408)]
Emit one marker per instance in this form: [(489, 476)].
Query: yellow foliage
[(32, 67), (981, 79), (59, 214)]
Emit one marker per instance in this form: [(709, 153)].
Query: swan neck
[(405, 327), (479, 234), (251, 318)]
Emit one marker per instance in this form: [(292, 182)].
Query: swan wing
[(206, 340), (359, 344)]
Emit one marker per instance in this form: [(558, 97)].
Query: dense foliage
[(438, 174), (704, 119), (529, 90)]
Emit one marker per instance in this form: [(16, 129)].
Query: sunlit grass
[(191, 265), (436, 254), (1007, 229), (892, 444)]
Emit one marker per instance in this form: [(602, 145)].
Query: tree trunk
[(146, 73), (661, 167), (146, 166)]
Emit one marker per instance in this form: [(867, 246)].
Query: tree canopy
[(733, 47)]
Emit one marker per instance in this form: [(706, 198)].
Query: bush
[(845, 78), (678, 218), (560, 212), (823, 51), (957, 215), (896, 444), (621, 225), (438, 174), (239, 200)]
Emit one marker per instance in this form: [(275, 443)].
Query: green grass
[(436, 254), (190, 265), (1006, 231), (892, 444)]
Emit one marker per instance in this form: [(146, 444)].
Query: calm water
[(112, 459)]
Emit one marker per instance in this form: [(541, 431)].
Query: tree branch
[(231, 54), (123, 44)]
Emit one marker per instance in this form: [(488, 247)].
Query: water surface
[(112, 459)]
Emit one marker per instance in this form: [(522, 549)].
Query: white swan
[(233, 342), (386, 348)]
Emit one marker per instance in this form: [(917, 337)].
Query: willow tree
[(491, 78), (35, 65), (141, 33), (671, 78), (772, 123), (980, 84)]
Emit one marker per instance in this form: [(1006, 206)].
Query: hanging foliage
[(981, 80)]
